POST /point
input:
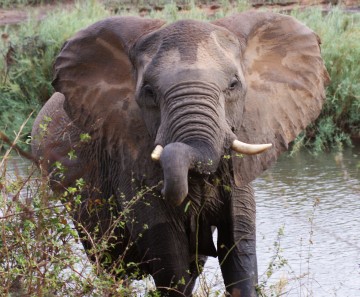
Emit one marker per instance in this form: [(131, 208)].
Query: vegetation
[(28, 53), (40, 251), (41, 254), (340, 117)]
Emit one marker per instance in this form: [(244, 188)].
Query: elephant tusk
[(249, 149), (155, 155)]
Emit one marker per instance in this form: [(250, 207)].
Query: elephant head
[(197, 87)]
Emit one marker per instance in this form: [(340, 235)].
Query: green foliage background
[(29, 49), (340, 117)]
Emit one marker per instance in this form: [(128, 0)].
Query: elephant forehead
[(203, 55), (189, 37), (217, 49)]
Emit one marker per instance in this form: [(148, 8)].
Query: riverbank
[(15, 12)]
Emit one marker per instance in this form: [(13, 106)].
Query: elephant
[(179, 118)]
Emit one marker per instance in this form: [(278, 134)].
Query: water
[(315, 202), (326, 248)]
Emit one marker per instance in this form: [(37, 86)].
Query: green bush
[(29, 51), (340, 117), (40, 251)]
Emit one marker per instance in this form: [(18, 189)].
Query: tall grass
[(27, 55), (340, 117)]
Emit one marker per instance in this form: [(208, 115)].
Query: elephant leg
[(174, 282), (237, 244), (167, 255)]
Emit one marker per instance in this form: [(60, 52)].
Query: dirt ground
[(21, 14)]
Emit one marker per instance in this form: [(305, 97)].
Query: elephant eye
[(234, 83), (149, 95), (148, 91)]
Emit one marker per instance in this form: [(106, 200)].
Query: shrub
[(340, 117), (29, 51), (40, 250)]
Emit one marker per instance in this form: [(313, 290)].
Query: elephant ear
[(95, 74), (286, 80)]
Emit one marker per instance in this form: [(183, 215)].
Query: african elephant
[(167, 107)]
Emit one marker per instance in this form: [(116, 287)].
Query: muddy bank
[(11, 16), (23, 13)]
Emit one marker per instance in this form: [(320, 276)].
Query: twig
[(20, 151), (31, 211), (14, 146)]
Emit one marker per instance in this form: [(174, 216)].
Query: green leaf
[(187, 206)]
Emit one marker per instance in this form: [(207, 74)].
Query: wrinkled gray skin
[(185, 90)]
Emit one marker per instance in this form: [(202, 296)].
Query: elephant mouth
[(177, 159)]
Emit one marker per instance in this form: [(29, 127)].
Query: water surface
[(315, 203)]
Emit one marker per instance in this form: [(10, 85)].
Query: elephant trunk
[(176, 160), (191, 130)]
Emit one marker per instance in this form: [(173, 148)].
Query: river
[(314, 204)]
